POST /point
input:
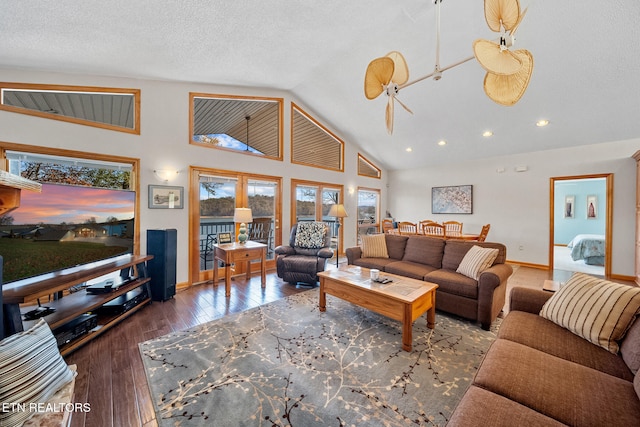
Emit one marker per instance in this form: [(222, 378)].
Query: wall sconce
[(165, 175), (351, 191)]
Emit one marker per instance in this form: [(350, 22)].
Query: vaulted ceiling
[(586, 77)]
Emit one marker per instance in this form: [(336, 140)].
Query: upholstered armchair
[(306, 254)]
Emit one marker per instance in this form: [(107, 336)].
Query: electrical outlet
[(521, 248)]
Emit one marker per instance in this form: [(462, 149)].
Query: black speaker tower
[(162, 244)]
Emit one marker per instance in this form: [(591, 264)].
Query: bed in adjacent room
[(588, 247)]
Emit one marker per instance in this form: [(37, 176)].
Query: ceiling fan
[(508, 72)]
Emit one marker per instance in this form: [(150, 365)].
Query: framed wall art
[(456, 199), (166, 197), (592, 207), (569, 206)]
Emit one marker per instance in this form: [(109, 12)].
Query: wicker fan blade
[(378, 74), (495, 60), (388, 115), (401, 72), (501, 12), (520, 18), (507, 90)]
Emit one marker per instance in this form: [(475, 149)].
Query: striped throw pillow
[(374, 246), (31, 370), (598, 310), (476, 260)]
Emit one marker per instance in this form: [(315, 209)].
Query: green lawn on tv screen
[(26, 258)]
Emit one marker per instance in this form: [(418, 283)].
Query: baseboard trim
[(528, 264)]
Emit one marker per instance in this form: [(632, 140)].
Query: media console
[(70, 308)]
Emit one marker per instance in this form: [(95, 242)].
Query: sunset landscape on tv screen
[(63, 226)]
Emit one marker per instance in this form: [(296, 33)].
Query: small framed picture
[(165, 197), (592, 207), (224, 238), (569, 206)]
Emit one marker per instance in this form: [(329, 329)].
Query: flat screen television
[(64, 226)]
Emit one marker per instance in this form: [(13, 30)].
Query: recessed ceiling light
[(408, 149), (442, 142), (487, 133), (541, 123)]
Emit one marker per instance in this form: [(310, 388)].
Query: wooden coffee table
[(403, 299)]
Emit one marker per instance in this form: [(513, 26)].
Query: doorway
[(213, 197), (580, 224)]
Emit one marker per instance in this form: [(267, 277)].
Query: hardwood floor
[(111, 377), (110, 373)]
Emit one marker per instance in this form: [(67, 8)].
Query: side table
[(230, 253)]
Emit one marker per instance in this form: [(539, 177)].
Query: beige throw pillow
[(476, 260), (598, 310), (374, 246)]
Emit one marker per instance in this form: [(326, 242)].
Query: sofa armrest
[(285, 250), (325, 253), (527, 299), (353, 254), (492, 290)]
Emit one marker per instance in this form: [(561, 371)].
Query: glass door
[(213, 197), (217, 201), (262, 198), (313, 202)]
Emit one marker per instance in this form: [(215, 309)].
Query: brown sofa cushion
[(454, 283), (378, 263), (455, 250), (630, 347), (424, 250), (542, 334), (413, 270), (568, 392), (396, 245), (480, 407)]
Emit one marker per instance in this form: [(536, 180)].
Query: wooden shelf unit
[(75, 304)]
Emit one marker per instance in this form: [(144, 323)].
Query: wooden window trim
[(67, 88)]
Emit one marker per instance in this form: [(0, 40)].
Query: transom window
[(242, 124), (312, 144), (108, 108), (367, 168)]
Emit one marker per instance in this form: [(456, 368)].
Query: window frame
[(279, 101), (75, 89)]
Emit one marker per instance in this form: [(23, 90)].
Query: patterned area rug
[(288, 364)]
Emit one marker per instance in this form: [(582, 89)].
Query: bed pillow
[(374, 246), (31, 370), (476, 260), (310, 235), (595, 309)]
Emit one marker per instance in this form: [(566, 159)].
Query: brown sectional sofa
[(436, 260), (538, 373)]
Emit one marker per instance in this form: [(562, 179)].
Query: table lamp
[(337, 210), (242, 216)]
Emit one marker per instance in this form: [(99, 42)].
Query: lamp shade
[(338, 211), (242, 215)]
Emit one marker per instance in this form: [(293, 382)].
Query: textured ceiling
[(585, 79)]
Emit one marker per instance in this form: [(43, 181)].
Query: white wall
[(164, 144), (516, 204)]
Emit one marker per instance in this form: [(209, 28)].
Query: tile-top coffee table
[(403, 299)]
